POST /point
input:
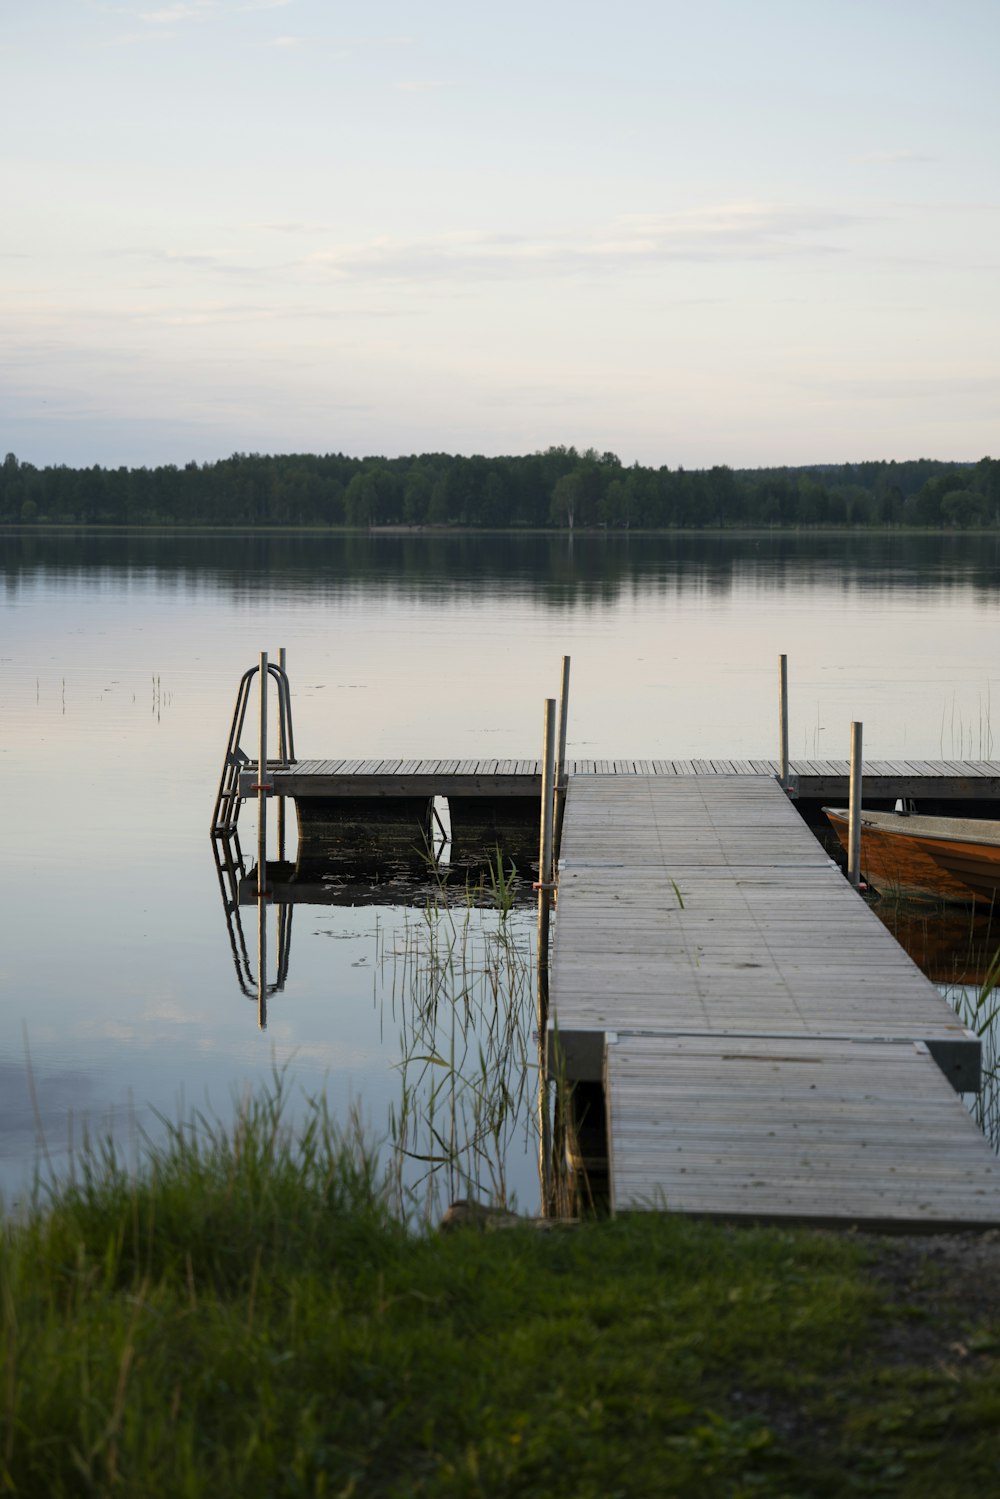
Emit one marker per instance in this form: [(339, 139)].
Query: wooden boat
[(952, 858)]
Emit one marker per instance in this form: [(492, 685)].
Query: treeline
[(560, 488)]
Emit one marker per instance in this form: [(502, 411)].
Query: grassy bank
[(247, 1318)]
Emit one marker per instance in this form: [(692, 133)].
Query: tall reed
[(461, 979)]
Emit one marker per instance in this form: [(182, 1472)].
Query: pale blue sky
[(739, 231)]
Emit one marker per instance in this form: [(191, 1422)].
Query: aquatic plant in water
[(463, 987)]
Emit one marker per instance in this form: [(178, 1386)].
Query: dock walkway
[(767, 1049)]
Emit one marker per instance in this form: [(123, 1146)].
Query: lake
[(124, 996)]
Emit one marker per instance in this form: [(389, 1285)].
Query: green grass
[(247, 1318)]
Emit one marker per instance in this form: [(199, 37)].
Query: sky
[(722, 231)]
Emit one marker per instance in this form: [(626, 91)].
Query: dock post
[(545, 883), (282, 754), (560, 790), (854, 813), (545, 867), (262, 781), (563, 715), (783, 718)]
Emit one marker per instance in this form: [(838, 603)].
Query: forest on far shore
[(560, 488)]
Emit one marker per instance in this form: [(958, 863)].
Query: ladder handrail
[(227, 801)]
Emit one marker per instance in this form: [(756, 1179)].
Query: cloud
[(908, 388), (291, 226), (172, 15), (180, 11), (212, 262), (732, 232), (420, 85), (898, 158), (286, 41)]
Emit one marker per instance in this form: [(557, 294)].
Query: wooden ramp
[(768, 1050)]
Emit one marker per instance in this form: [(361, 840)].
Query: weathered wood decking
[(768, 1050), (948, 780)]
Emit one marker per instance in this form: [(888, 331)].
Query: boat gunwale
[(914, 831)]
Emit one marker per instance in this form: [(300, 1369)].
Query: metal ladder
[(229, 797)]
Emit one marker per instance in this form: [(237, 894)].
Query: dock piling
[(854, 813), (546, 872), (560, 786), (262, 781), (783, 718), (563, 715), (547, 824), (282, 749)]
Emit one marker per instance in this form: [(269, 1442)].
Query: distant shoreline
[(588, 533)]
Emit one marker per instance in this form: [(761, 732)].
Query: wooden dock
[(818, 780), (768, 1051)]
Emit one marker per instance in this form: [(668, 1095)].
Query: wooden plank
[(767, 767), (964, 769), (821, 1132)]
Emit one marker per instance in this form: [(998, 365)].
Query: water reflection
[(234, 889), (952, 945), (456, 974), (958, 948), (563, 572)]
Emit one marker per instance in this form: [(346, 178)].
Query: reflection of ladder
[(229, 797), (231, 870)]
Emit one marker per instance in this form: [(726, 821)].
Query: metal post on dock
[(282, 751), (783, 718), (854, 812), (545, 867), (262, 786), (560, 790), (545, 884), (563, 715)]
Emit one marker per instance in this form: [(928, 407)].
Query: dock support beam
[(854, 813)]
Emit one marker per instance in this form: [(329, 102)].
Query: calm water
[(119, 660)]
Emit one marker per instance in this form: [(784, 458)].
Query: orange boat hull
[(903, 862)]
